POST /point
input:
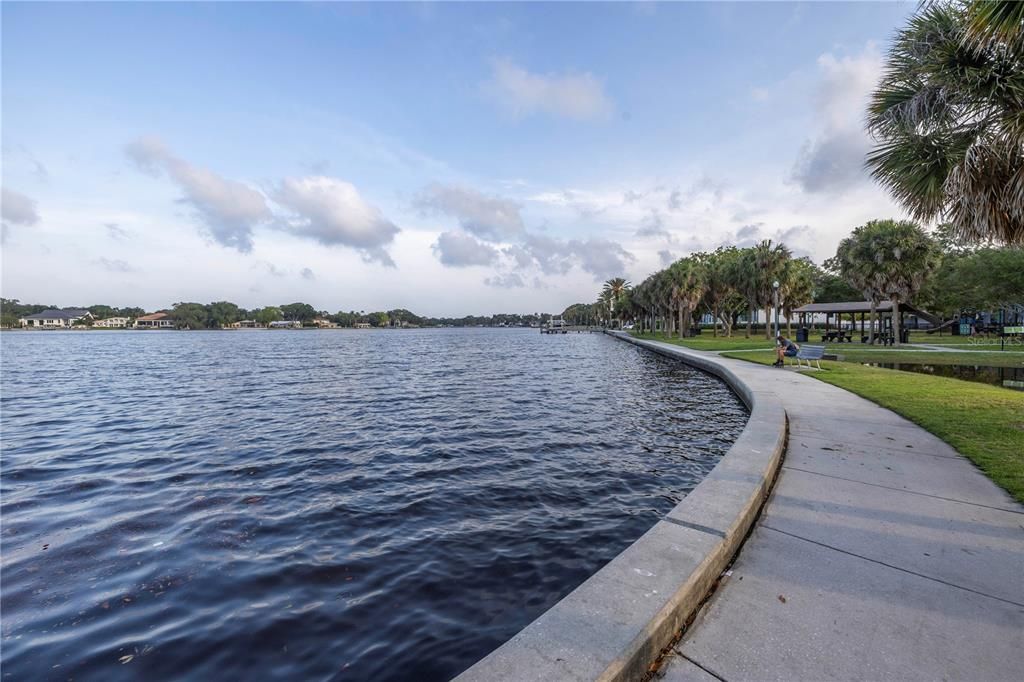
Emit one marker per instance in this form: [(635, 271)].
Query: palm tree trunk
[(895, 320), (715, 315), (750, 321), (767, 322), (682, 333), (874, 313)]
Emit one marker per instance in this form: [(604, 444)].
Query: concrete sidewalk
[(882, 554)]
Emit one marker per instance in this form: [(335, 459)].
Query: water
[(1007, 377), (324, 504)]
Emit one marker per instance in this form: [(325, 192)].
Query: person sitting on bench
[(784, 348)]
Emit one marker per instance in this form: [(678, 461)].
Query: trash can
[(801, 335)]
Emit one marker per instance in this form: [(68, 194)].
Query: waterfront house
[(244, 324), (55, 319), (155, 321), (113, 323), (362, 325), (285, 324), (323, 323)]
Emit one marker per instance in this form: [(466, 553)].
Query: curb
[(614, 625)]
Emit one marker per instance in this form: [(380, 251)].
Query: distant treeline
[(221, 314)]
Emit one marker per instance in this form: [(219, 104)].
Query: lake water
[(324, 504)]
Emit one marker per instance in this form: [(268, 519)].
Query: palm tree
[(797, 288), (614, 290), (852, 263), (769, 266), (891, 259), (688, 284), (948, 118)]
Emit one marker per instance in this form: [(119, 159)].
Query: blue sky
[(446, 158)]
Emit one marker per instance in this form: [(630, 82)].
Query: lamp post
[(775, 287)]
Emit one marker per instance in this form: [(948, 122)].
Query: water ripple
[(324, 505)]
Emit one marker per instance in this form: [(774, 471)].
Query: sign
[(1013, 330)]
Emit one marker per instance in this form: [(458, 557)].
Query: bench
[(809, 353)]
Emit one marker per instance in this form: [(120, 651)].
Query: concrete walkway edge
[(614, 625)]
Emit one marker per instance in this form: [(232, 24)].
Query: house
[(323, 323), (155, 321), (113, 323), (55, 319), (285, 324), (362, 325), (244, 324)]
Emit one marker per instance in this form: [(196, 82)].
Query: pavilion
[(838, 312)]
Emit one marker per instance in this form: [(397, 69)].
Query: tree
[(613, 291), (769, 263), (688, 282), (267, 315), (721, 297), (298, 312), (189, 315), (891, 260), (222, 314), (949, 120), (797, 288)]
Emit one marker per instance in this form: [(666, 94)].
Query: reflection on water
[(324, 504), (1007, 377)]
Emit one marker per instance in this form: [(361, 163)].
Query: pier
[(575, 328)]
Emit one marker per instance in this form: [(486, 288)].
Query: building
[(324, 323), (113, 323), (55, 319), (285, 324), (155, 321), (244, 324), (362, 325)]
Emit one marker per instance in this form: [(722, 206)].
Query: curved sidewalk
[(882, 554)]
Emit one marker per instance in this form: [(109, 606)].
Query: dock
[(574, 328)]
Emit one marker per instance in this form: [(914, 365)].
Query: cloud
[(520, 93), (114, 265), (306, 273), (488, 217), (799, 238), (115, 231), (458, 249), (834, 158), (332, 212), (508, 280), (269, 268), (653, 225), (228, 209), (599, 257), (666, 257), (18, 209)]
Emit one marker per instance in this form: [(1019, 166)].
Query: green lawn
[(984, 423), (856, 352)]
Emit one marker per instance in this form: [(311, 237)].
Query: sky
[(450, 159)]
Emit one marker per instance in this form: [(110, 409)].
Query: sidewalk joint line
[(695, 526), (709, 671), (897, 568), (902, 490)]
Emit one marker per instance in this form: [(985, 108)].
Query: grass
[(984, 423), (859, 353)]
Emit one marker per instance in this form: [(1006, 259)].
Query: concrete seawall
[(614, 625)]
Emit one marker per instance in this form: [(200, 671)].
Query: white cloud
[(488, 217), (458, 249), (228, 209), (332, 212), (306, 273), (18, 209), (114, 265), (833, 159), (520, 93)]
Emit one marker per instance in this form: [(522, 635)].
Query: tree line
[(893, 261), (220, 314)]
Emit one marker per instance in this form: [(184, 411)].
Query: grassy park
[(984, 423)]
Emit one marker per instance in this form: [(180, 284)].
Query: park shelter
[(838, 313)]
